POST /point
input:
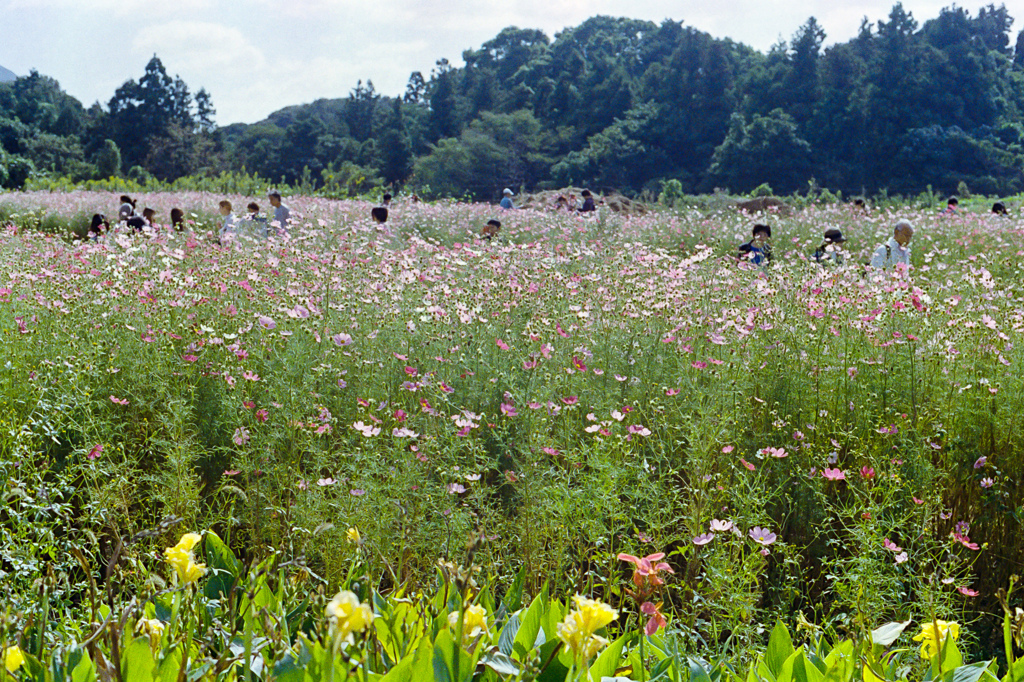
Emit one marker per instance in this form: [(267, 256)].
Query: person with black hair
[(759, 249), (952, 205), (831, 250), (588, 202), (126, 210), (98, 226), (177, 219), (255, 224), (491, 229), (282, 215), (379, 214), (999, 208), (386, 201)]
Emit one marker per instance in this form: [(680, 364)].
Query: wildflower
[(901, 557), (347, 615), (777, 453), (95, 452), (727, 449), (342, 340), (474, 623), (747, 464), (720, 526), (657, 620), (508, 410), (967, 592), (183, 560), (267, 322), (704, 539), (262, 415), (934, 634), (153, 627), (966, 542), (501, 344), (980, 462), (118, 401), (357, 492), (639, 430), (353, 537), (891, 546), (867, 473), (456, 488), (241, 436), (762, 536), (834, 474), (577, 630), (645, 575), (987, 482), (325, 482), (14, 658)]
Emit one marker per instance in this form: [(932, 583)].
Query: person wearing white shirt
[(282, 215), (230, 224), (896, 250)]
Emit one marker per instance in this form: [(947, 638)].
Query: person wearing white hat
[(506, 199)]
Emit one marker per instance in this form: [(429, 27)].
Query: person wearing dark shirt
[(588, 202), (759, 249)]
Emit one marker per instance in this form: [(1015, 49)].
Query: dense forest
[(613, 103)]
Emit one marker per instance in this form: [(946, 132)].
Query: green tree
[(767, 149), (108, 160)]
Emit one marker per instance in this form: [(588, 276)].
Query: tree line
[(613, 103)]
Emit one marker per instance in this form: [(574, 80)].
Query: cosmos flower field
[(407, 406)]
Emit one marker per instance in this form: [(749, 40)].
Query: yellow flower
[(152, 627), (347, 615), (352, 535), (183, 560), (934, 634), (14, 658), (474, 623), (577, 629)]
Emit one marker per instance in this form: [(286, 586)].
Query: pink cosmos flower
[(891, 546), (747, 464), (262, 415), (95, 452), (671, 391), (456, 488), (762, 536), (980, 462), (571, 400), (578, 364), (834, 474), (901, 558), (718, 526), (867, 473), (119, 401), (232, 472), (501, 344), (267, 322), (987, 482), (550, 451), (704, 539), (509, 410), (342, 339), (916, 500), (638, 429), (325, 482), (645, 574), (966, 542), (727, 449), (188, 357), (967, 592), (241, 436)]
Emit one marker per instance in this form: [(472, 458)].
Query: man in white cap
[(896, 250), (506, 199)]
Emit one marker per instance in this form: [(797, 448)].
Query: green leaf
[(137, 662), (840, 663), (224, 567), (698, 673), (83, 669), (169, 666), (889, 633), (1016, 672), (608, 661), (526, 637), (292, 668), (444, 655), (780, 648), (508, 634), (804, 670), (499, 663), (419, 666), (513, 600), (967, 673)]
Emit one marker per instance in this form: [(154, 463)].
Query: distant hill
[(7, 76)]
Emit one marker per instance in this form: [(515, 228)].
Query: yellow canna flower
[(352, 535), (14, 658), (474, 623), (183, 560), (577, 629), (152, 627), (934, 634), (347, 615)]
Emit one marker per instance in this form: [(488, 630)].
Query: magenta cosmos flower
[(762, 536)]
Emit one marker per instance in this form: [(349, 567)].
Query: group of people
[(491, 229), (253, 225), (832, 250)]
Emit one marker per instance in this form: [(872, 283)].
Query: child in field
[(952, 205), (126, 210), (831, 250), (177, 219), (379, 214), (491, 229), (999, 208), (98, 227), (506, 199), (588, 202), (759, 249), (230, 223), (256, 224)]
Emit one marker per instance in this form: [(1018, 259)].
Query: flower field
[(594, 447)]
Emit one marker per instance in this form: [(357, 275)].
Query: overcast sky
[(256, 56)]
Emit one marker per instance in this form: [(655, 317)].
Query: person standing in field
[(831, 250), (506, 199), (282, 215), (230, 224), (896, 251)]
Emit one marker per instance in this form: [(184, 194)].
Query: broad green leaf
[(780, 648), (508, 634), (967, 673), (137, 662), (529, 627), (607, 661), (1016, 672), (170, 666), (500, 663), (419, 666), (840, 663), (698, 673), (889, 633), (83, 669), (513, 600)]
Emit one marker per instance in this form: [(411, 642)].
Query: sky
[(257, 56)]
